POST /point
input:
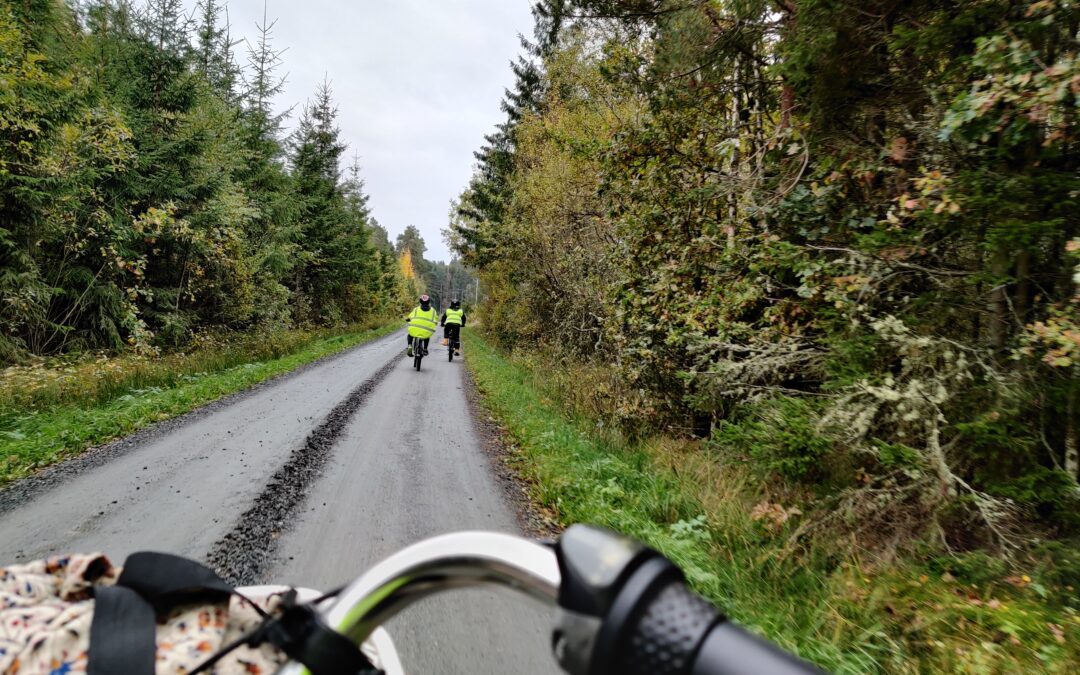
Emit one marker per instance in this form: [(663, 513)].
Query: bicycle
[(418, 352), (453, 341), (616, 606)]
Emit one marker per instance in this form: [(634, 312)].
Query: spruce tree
[(214, 48), (488, 192), (332, 252), (209, 38), (262, 85), (273, 231), (166, 26)]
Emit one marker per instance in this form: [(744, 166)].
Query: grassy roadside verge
[(86, 404), (713, 520)]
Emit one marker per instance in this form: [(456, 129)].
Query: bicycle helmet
[(455, 304)]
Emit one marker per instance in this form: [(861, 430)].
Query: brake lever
[(594, 564)]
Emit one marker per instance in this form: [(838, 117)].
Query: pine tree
[(411, 241), (143, 197), (273, 231), (525, 97), (317, 145), (366, 294), (356, 199), (231, 71)]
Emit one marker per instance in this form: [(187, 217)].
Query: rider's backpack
[(159, 614)]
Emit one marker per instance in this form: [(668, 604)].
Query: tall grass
[(732, 536), (52, 410), (93, 379)]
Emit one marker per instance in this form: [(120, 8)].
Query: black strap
[(166, 581), (123, 630), (121, 633)]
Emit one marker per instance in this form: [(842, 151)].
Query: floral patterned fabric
[(46, 611)]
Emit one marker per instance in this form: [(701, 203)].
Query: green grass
[(820, 601), (86, 403)]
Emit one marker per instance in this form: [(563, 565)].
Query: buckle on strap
[(303, 636)]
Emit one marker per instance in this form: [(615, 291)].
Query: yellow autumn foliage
[(405, 261)]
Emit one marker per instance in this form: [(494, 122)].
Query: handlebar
[(619, 606), (624, 608), (441, 563)]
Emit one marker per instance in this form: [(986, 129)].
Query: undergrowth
[(743, 540)]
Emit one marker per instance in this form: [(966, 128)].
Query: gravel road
[(409, 466), (308, 479)]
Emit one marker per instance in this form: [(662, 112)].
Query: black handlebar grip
[(664, 638), (630, 613), (730, 650), (675, 631)]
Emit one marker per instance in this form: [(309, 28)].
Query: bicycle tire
[(416, 359)]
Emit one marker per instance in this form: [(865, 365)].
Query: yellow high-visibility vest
[(454, 317), (422, 324)]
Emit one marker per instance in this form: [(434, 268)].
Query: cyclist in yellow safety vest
[(422, 324), (452, 320)]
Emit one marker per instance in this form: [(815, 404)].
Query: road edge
[(500, 451), (15, 493)]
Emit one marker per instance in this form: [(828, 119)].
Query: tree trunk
[(787, 92), (999, 300), (1022, 297), (787, 104), (1072, 443)]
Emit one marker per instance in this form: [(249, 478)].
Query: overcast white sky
[(417, 82)]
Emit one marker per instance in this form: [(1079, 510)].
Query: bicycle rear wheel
[(418, 356)]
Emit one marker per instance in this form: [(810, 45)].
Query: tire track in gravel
[(410, 465), (243, 554)]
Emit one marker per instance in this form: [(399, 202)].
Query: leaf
[(899, 149), (1058, 632)]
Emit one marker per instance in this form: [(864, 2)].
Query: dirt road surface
[(308, 479)]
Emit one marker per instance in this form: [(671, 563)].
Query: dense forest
[(837, 240), (149, 191), (827, 248)]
